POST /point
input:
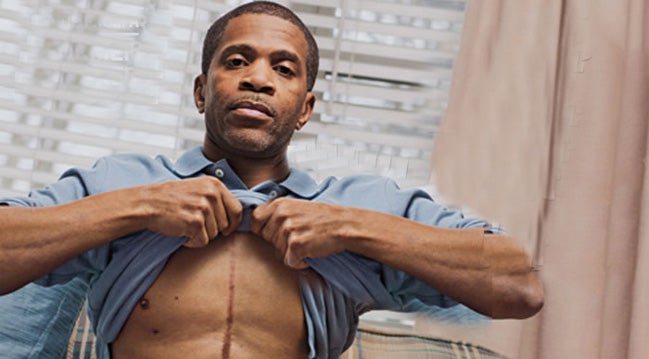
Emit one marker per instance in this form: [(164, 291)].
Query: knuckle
[(254, 215), (215, 183), (279, 203), (288, 227), (295, 244), (237, 210), (225, 224), (297, 247), (293, 239), (204, 205), (197, 219), (194, 223), (284, 212)]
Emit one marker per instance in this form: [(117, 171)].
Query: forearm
[(33, 241), (489, 273)]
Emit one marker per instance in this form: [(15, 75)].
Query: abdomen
[(231, 299)]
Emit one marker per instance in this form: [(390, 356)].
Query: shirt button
[(219, 173), (272, 194)]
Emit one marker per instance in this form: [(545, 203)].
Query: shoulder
[(359, 182), (120, 171), (134, 161), (107, 174), (379, 193)]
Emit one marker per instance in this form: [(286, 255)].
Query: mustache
[(255, 102)]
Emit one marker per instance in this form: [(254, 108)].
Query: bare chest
[(233, 296)]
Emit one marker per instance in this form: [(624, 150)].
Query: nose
[(258, 78)]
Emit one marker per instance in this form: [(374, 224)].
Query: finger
[(211, 223), (188, 243), (203, 239), (269, 228), (220, 216), (273, 231), (197, 241), (259, 218), (293, 261), (233, 211)]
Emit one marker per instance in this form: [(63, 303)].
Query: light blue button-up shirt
[(335, 291)]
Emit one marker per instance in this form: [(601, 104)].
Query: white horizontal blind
[(385, 72), (81, 79)]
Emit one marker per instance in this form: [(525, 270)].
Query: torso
[(231, 299)]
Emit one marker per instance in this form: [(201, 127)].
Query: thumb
[(291, 260)]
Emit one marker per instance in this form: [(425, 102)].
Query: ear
[(199, 92), (309, 102)]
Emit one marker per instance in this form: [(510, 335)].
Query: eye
[(284, 70), (235, 62)]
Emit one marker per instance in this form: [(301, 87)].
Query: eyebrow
[(247, 49), (286, 55), (235, 49)]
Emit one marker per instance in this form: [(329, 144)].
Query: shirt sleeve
[(73, 185), (374, 285), (417, 205)]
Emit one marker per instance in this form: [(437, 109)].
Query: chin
[(251, 148)]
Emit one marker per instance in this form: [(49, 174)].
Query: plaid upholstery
[(372, 343), (369, 344), (82, 340)]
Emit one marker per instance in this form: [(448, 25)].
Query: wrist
[(128, 209), (366, 230)]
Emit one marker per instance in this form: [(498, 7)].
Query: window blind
[(81, 79)]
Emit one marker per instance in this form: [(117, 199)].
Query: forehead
[(265, 33)]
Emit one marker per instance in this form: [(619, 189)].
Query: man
[(228, 251)]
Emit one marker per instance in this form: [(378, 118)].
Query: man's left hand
[(301, 229)]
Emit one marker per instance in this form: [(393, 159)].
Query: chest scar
[(227, 336)]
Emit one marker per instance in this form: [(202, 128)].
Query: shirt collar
[(194, 161), (191, 162), (301, 184)]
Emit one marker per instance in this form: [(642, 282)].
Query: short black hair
[(215, 34)]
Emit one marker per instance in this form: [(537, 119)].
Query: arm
[(489, 273), (34, 241)]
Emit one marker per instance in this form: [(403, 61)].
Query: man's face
[(254, 95)]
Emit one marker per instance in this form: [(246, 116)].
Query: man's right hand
[(35, 240), (197, 208)]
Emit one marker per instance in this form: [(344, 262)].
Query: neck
[(253, 171)]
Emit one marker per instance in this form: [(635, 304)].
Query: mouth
[(250, 108)]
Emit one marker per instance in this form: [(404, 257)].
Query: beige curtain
[(546, 133)]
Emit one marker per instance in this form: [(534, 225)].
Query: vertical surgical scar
[(144, 303), (227, 337)]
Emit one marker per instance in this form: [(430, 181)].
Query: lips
[(252, 108)]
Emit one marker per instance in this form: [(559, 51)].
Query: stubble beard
[(248, 141)]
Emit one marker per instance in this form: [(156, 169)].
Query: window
[(83, 79)]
